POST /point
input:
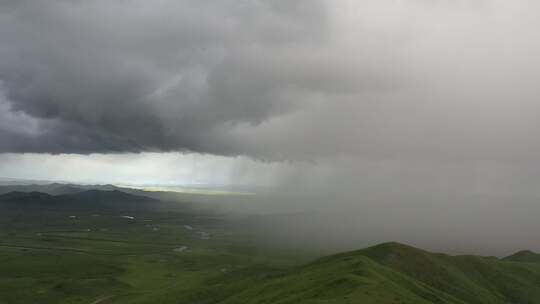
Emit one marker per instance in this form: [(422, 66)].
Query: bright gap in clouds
[(142, 169)]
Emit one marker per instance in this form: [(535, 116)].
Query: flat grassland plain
[(62, 249), (53, 251)]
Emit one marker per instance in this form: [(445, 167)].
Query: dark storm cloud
[(113, 76), (418, 118), (271, 79)]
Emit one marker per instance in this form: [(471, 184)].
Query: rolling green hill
[(525, 256), (397, 273)]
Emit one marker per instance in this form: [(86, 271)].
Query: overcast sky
[(432, 83), (427, 105)]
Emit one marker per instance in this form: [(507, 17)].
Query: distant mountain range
[(55, 188), (6, 181), (98, 200)]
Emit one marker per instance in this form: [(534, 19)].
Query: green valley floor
[(82, 257)]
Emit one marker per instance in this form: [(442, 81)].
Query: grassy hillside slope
[(396, 273), (525, 256)]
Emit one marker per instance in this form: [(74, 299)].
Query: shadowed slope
[(525, 256)]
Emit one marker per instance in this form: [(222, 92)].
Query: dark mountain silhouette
[(97, 200), (55, 188), (525, 256)]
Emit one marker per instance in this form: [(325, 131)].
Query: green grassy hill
[(396, 273), (525, 256), (473, 279)]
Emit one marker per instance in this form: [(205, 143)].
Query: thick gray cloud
[(272, 79), (118, 76), (418, 118)]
